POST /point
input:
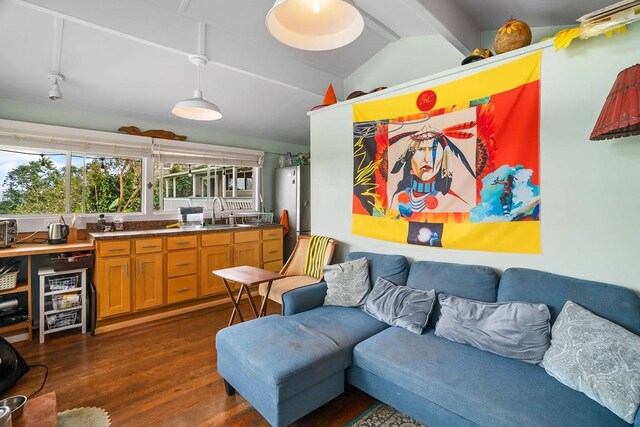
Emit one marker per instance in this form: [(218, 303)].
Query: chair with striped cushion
[(304, 266)]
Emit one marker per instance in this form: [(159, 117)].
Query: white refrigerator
[(293, 193)]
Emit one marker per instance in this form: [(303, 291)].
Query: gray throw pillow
[(597, 357), (347, 283), (400, 306), (518, 330)]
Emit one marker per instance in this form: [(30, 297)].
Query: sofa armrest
[(637, 423), (303, 298)]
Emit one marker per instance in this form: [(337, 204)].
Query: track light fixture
[(54, 93), (43, 163), (102, 165), (189, 173)]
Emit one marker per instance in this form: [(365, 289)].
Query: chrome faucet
[(213, 208)]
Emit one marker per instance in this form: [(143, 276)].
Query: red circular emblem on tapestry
[(431, 202), (426, 100)]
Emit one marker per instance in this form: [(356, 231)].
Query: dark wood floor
[(158, 374)]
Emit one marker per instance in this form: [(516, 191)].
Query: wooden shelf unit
[(18, 331)]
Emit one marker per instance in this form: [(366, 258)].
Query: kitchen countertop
[(219, 228), (22, 249)]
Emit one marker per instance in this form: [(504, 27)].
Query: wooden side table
[(247, 277), (41, 411)]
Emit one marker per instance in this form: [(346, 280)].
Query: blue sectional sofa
[(287, 366)]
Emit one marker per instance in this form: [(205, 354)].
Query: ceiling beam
[(450, 21), (171, 32)]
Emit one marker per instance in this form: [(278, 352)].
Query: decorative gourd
[(512, 35)]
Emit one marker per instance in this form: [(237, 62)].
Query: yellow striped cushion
[(315, 256)]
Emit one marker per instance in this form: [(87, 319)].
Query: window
[(178, 185), (34, 182)]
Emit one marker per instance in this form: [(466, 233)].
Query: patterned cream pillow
[(347, 283), (597, 357)]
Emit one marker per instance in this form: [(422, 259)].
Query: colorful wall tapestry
[(454, 166)]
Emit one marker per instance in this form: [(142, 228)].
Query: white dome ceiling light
[(314, 24), (197, 108)]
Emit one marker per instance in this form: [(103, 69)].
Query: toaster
[(8, 232)]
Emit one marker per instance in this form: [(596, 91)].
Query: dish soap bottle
[(232, 220), (101, 223)]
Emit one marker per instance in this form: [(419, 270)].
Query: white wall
[(590, 195), (406, 59)]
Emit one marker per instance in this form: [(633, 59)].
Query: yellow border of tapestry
[(498, 79)]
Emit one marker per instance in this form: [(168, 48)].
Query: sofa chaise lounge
[(287, 366)]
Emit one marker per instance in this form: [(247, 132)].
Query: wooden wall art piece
[(153, 133)]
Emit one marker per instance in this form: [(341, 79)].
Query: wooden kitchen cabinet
[(137, 278), (214, 255), (149, 274), (113, 285)]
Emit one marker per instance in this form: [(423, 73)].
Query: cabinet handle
[(183, 264), (273, 252), (126, 269), (149, 246), (183, 290), (141, 267), (228, 255), (183, 243), (115, 249)]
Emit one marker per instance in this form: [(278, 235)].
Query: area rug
[(84, 417), (381, 415)]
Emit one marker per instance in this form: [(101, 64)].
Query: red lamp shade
[(620, 114)]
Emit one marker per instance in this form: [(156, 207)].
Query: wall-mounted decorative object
[(512, 35), (620, 115), (153, 133), (453, 166), (314, 24), (609, 20)]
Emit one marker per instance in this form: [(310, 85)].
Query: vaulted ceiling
[(129, 58)]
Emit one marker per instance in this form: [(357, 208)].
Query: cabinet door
[(213, 258), (148, 284), (247, 254), (114, 286)]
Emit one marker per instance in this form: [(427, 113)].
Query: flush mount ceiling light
[(197, 108), (314, 24), (54, 93)]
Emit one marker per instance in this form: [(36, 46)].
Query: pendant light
[(197, 108), (314, 24)]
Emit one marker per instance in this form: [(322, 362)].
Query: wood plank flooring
[(158, 374)]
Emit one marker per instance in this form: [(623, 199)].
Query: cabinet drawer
[(114, 248), (181, 263), (214, 239), (273, 266), (271, 234), (271, 250), (145, 246), (182, 288), (246, 236), (182, 242)]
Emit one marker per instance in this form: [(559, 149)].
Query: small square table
[(247, 276)]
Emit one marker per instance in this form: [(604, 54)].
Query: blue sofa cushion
[(518, 330), (615, 303), (394, 268), (287, 354), (467, 281), (481, 387), (399, 305)]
